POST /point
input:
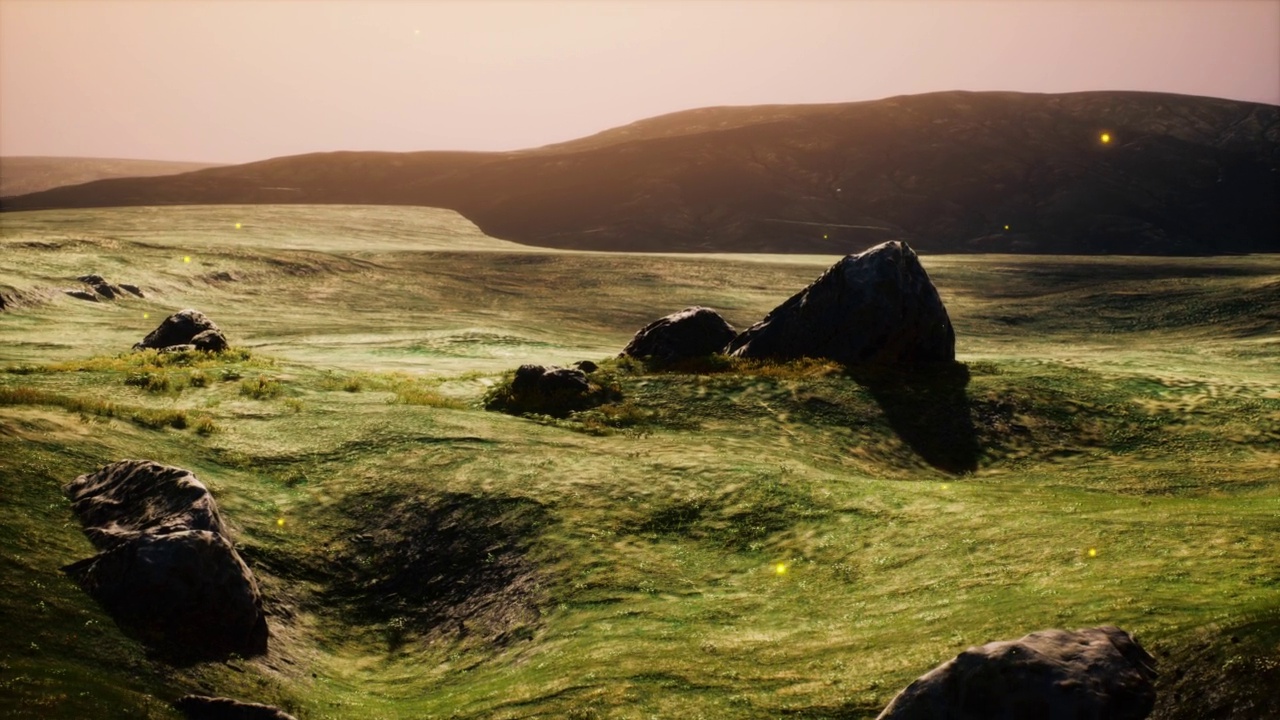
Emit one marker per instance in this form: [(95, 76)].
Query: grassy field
[(733, 541)]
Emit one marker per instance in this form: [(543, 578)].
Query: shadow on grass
[(926, 405)]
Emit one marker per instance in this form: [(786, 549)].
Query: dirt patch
[(1221, 674), (448, 564)]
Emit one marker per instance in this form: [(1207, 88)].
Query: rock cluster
[(1096, 673), (103, 289), (166, 569), (185, 330), (874, 308), (692, 332)]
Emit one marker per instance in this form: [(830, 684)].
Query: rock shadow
[(927, 406)]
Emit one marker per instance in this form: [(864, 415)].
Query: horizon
[(248, 81)]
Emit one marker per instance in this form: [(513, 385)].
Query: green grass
[(620, 561)]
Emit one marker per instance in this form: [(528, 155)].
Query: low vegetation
[(719, 539)]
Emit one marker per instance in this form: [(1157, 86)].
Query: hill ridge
[(956, 171)]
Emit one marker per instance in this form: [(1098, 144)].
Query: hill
[(20, 174), (1080, 173)]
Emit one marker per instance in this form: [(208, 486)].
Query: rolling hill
[(21, 174), (1081, 173)]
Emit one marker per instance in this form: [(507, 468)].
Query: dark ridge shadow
[(926, 405)]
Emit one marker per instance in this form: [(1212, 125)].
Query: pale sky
[(242, 80)]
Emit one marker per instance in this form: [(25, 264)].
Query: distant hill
[(949, 172), (20, 175)]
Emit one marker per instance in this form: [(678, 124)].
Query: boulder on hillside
[(203, 707), (530, 379), (167, 570), (692, 332), (874, 308), (554, 391), (188, 327), (1097, 673)]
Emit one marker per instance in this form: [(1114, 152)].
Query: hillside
[(949, 172), (20, 175), (1105, 451)]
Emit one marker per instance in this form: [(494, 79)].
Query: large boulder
[(692, 332), (188, 327), (1097, 673), (874, 308), (167, 570)]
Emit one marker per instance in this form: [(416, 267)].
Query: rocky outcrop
[(1097, 673), (167, 570), (188, 327), (874, 308), (202, 707), (82, 295), (104, 289), (692, 332)]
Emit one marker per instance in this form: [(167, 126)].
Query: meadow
[(729, 540)]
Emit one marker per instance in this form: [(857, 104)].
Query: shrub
[(263, 388), (151, 382)]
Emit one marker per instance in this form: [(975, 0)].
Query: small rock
[(586, 366), (132, 289), (82, 295), (692, 332)]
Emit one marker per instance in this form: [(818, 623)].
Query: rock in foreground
[(1092, 674), (875, 308), (188, 327), (167, 570), (692, 332)]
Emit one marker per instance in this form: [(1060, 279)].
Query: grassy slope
[(1124, 405)]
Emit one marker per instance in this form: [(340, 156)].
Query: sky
[(241, 80)]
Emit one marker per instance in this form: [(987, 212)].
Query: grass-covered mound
[(729, 539)]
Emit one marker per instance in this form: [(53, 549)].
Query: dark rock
[(132, 289), (692, 332), (548, 380), (210, 341), (167, 571), (1095, 674), (82, 295), (874, 308), (586, 366), (183, 328), (201, 707), (133, 497), (554, 391), (101, 286)]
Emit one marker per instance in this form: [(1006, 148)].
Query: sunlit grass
[(914, 514)]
